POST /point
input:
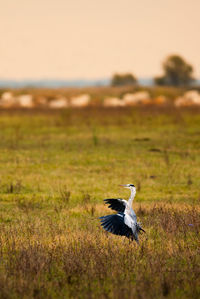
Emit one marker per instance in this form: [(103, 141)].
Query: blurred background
[(60, 44)]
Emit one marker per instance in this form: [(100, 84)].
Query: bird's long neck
[(131, 198)]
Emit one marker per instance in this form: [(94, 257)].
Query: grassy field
[(55, 170)]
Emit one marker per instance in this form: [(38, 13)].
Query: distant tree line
[(123, 79), (176, 72)]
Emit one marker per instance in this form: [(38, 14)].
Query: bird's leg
[(130, 239)]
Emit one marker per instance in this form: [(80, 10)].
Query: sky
[(87, 39)]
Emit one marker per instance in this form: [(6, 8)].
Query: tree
[(177, 72), (123, 79)]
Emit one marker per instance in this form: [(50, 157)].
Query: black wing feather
[(116, 204), (115, 225)]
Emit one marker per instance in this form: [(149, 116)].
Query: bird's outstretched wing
[(116, 204), (115, 225)]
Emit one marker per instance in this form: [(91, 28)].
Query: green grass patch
[(55, 170)]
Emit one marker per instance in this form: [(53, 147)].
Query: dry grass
[(55, 170), (47, 259)]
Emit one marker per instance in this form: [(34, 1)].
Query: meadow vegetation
[(56, 167)]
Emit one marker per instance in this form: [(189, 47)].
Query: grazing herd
[(134, 99), (189, 98), (9, 100)]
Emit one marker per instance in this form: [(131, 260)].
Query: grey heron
[(124, 223)]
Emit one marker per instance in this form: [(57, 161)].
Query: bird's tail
[(140, 229)]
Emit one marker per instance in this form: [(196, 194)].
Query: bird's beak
[(125, 186)]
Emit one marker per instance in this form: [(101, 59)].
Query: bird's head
[(129, 186)]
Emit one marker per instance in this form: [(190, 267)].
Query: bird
[(124, 223)]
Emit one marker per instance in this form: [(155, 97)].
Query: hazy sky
[(93, 39)]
